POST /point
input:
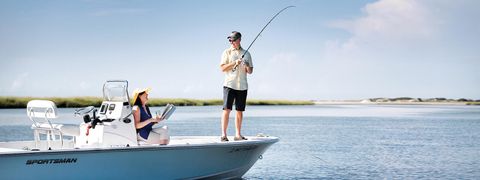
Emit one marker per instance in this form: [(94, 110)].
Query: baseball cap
[(234, 36)]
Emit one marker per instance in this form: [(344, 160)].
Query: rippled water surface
[(333, 141)]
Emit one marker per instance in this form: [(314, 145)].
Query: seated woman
[(144, 121)]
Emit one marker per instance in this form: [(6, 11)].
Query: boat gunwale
[(147, 147)]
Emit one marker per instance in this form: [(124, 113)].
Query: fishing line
[(235, 67)]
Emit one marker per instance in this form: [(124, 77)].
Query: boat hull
[(177, 161)]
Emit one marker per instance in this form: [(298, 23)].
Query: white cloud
[(391, 23), (394, 18), (404, 48), (386, 41)]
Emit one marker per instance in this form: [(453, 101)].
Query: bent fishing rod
[(235, 67)]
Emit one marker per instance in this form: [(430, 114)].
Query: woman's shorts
[(156, 135)]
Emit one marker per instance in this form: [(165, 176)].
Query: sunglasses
[(230, 40)]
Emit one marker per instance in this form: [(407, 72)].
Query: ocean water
[(333, 141)]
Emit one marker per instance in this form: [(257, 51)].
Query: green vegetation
[(278, 102), (68, 102), (183, 102), (21, 102), (473, 103)]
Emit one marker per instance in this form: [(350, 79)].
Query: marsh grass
[(278, 102), (21, 102), (69, 102), (473, 103)]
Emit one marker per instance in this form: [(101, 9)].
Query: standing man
[(235, 84)]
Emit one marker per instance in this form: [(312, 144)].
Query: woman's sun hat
[(137, 91)]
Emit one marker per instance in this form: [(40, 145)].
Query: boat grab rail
[(41, 109)]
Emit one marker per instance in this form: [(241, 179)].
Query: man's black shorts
[(230, 95)]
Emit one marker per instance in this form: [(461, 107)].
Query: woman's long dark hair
[(138, 103)]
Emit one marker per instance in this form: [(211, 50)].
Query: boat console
[(111, 125)]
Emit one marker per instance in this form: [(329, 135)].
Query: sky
[(319, 50)]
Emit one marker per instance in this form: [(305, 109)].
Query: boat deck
[(175, 141)]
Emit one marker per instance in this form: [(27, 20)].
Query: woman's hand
[(156, 119)]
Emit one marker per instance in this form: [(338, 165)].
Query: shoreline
[(7, 102), (76, 102), (393, 103)]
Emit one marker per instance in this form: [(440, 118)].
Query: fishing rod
[(235, 67)]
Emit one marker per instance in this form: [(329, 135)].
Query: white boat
[(105, 146)]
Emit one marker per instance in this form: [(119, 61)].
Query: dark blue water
[(334, 141)]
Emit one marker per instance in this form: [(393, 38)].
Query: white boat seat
[(65, 129), (40, 112)]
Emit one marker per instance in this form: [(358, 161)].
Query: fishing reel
[(244, 62)]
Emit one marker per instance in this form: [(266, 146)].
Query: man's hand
[(238, 62), (248, 69)]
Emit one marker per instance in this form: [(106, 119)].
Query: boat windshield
[(116, 91)]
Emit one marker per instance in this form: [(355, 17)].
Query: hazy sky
[(338, 49)]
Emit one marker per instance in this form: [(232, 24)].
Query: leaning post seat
[(40, 112)]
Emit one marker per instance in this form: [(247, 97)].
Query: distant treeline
[(427, 100), (68, 102)]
